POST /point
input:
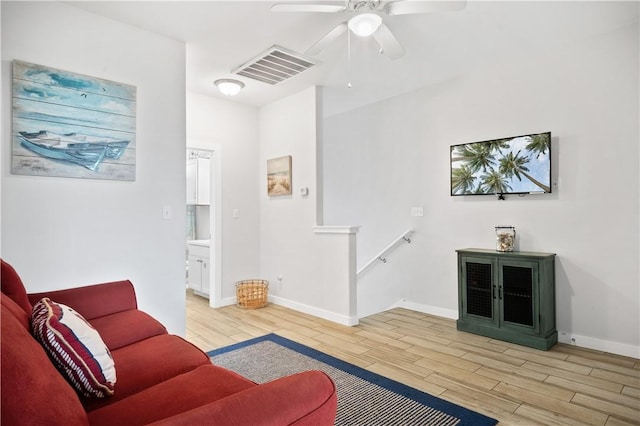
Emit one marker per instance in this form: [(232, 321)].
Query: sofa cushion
[(16, 311), (94, 301), (13, 287), (187, 391), (32, 390), (117, 330), (149, 362), (75, 347), (303, 399)]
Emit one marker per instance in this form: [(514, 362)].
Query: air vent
[(275, 66)]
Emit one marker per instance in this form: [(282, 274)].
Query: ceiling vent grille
[(275, 66)]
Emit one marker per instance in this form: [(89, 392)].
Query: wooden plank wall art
[(72, 125), (279, 176)]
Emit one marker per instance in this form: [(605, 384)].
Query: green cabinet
[(508, 296)]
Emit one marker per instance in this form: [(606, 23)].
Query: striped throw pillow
[(75, 347)]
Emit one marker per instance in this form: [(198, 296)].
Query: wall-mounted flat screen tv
[(515, 165)]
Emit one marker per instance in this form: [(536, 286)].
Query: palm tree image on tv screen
[(516, 165)]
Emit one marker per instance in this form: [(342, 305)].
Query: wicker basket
[(252, 294)]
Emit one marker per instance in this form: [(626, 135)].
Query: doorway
[(203, 224)]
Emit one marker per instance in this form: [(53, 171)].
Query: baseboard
[(301, 307), (316, 312), (426, 309), (599, 344), (225, 302)]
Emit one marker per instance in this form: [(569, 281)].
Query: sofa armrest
[(303, 399), (96, 300)]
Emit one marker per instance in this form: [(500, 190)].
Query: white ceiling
[(221, 35)]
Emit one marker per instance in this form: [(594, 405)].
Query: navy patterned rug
[(364, 398)]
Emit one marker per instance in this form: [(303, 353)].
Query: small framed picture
[(279, 176)]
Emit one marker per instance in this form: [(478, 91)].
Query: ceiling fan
[(367, 19)]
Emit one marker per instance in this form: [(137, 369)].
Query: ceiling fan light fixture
[(228, 86), (365, 24)]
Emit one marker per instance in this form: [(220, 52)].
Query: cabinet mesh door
[(479, 298), (517, 283)]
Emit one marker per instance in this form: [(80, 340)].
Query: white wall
[(234, 128), (382, 159), (61, 233), (317, 265)]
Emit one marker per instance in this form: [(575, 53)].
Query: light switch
[(236, 213), (417, 211)]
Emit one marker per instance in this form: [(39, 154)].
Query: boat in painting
[(84, 150)]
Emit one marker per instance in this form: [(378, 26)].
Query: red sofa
[(161, 379)]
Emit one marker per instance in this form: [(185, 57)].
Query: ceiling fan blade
[(407, 7), (308, 7), (389, 44), (321, 44)]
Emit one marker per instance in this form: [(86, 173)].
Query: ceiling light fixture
[(228, 86), (365, 24)]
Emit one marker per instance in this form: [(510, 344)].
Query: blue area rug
[(364, 398)]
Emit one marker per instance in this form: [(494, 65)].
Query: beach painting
[(279, 176), (72, 125)]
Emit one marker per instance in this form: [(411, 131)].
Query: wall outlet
[(417, 211)]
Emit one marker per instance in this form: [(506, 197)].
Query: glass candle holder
[(505, 238)]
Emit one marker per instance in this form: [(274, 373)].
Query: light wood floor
[(566, 385)]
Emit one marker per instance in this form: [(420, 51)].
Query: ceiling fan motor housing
[(356, 5)]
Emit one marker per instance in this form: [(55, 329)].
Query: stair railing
[(382, 256)]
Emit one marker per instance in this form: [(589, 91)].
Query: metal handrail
[(405, 236)]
